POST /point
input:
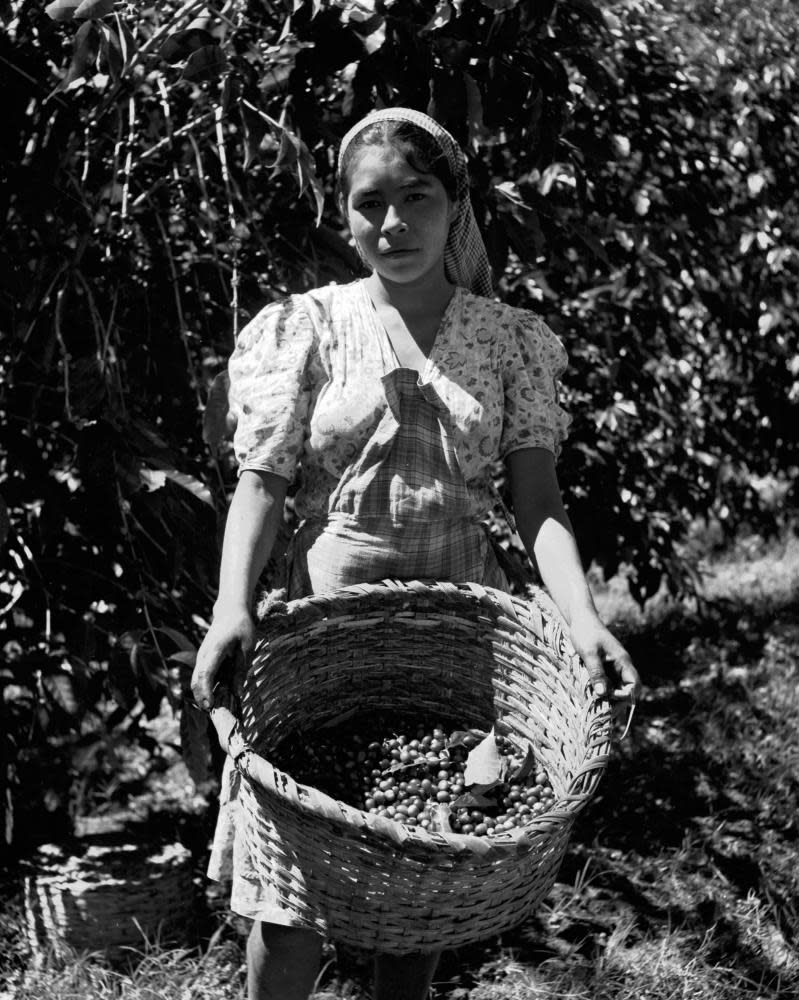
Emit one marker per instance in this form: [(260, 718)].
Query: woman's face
[(399, 216)]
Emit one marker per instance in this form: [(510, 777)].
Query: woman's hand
[(608, 662), (230, 631)]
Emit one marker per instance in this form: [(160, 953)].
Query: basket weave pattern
[(465, 654), (109, 898)]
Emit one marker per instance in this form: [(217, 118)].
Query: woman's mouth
[(399, 252)]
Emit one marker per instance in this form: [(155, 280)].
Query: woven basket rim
[(501, 607)]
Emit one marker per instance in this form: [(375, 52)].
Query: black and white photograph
[(399, 523)]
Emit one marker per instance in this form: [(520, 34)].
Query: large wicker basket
[(109, 898), (466, 654)]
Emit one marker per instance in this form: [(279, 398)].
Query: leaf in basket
[(482, 789), (465, 738), (484, 765), (439, 822), (399, 766), (526, 767), (472, 800)]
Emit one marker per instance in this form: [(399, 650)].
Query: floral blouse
[(305, 387)]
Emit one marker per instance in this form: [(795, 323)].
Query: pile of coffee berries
[(418, 778)]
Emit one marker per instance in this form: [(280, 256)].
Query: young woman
[(390, 399)]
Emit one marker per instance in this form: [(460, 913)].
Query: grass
[(681, 880), (155, 974)]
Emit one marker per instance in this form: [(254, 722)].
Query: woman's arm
[(255, 514), (548, 538)]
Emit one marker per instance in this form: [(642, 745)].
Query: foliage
[(682, 330), (165, 166)]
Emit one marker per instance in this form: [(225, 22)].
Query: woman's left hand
[(608, 662)]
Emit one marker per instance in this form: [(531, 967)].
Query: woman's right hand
[(230, 631)]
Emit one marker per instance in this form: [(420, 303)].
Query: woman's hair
[(418, 147)]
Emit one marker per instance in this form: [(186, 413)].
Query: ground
[(681, 878)]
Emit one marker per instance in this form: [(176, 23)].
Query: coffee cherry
[(357, 769)]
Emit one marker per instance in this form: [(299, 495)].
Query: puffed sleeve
[(271, 387), (532, 360)]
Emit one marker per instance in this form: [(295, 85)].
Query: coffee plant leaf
[(186, 657), (526, 767), (180, 46), (62, 10), (399, 766), (484, 765), (206, 63), (194, 742), (294, 157), (94, 8), (84, 56), (194, 486), (180, 640), (112, 60), (472, 800), (61, 689), (255, 130)]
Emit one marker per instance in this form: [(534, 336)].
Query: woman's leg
[(404, 977), (282, 962)]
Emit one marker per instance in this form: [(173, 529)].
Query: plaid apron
[(401, 509)]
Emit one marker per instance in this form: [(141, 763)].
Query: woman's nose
[(392, 223)]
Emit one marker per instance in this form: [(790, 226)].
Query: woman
[(394, 396)]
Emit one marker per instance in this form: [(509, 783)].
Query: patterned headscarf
[(465, 257)]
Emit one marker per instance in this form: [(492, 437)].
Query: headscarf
[(465, 257)]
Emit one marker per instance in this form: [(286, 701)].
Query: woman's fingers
[(593, 661), (630, 687), (210, 655), (608, 663), (627, 692), (225, 636)]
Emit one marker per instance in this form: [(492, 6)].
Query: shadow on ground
[(695, 823)]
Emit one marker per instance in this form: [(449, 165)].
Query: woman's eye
[(416, 196), (365, 206)]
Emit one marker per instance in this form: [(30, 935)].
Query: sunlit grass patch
[(755, 574), (677, 965), (155, 974)]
